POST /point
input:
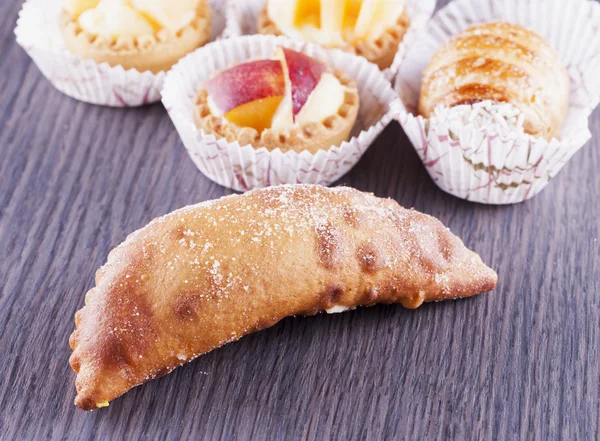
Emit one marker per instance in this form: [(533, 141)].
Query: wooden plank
[(519, 363)]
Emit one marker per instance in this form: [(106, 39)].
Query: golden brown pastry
[(141, 34), (208, 274), (501, 62)]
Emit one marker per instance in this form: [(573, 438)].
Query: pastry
[(147, 35), (208, 274), (502, 63), (291, 102), (371, 28)]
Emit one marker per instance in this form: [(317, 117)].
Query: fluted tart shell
[(154, 53)]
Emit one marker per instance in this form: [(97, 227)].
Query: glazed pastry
[(371, 28), (147, 35), (208, 274), (291, 102), (502, 63)]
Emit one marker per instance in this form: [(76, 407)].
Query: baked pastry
[(371, 28), (500, 62), (208, 274), (291, 102), (147, 35)]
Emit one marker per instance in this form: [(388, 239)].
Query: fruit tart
[(371, 28), (147, 35), (291, 102)]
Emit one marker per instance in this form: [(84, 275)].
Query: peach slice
[(351, 13), (330, 22), (248, 94), (257, 114), (364, 21), (308, 12), (304, 73)]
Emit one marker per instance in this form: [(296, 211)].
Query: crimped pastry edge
[(89, 396)]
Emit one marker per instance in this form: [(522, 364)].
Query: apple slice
[(248, 94), (367, 13), (282, 12), (304, 73), (332, 15), (385, 17)]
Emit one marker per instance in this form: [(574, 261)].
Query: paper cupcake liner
[(482, 164), (38, 32), (242, 18), (245, 167)]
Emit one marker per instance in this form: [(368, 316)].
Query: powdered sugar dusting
[(263, 219), (221, 243), (501, 118)]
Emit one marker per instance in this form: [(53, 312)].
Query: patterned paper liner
[(242, 18), (483, 164), (245, 167), (38, 32)]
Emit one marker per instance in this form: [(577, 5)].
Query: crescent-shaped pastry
[(208, 274), (501, 62)]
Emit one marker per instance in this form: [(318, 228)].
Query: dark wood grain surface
[(519, 363)]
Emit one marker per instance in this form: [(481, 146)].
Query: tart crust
[(154, 53), (380, 51), (332, 131)]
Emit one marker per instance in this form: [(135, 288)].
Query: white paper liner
[(485, 164), (242, 18), (38, 32), (245, 167)]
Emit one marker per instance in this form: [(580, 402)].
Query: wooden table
[(518, 363)]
